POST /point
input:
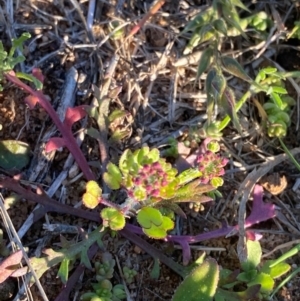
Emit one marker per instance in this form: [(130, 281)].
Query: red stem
[(65, 131)]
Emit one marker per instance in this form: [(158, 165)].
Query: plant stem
[(290, 155), (65, 131)]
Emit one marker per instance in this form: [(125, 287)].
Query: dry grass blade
[(15, 239), (245, 189)]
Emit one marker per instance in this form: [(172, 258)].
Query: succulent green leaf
[(141, 154), (200, 284), (13, 154), (213, 146), (247, 276), (277, 99), (153, 155), (275, 271), (254, 253), (279, 90), (123, 163), (113, 176), (232, 66), (114, 171), (160, 232), (63, 272), (268, 70), (93, 194), (265, 280), (188, 176), (147, 217), (204, 62), (113, 218), (216, 182)]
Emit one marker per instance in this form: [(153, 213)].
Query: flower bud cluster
[(211, 165), (149, 180)]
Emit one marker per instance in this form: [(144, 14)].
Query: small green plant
[(153, 184), (256, 279), (104, 290), (278, 105), (129, 274), (295, 32), (221, 19), (8, 61)]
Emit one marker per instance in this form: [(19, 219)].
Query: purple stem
[(65, 131)]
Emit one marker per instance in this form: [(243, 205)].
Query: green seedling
[(129, 274), (222, 20), (295, 32), (200, 284), (154, 189), (103, 290), (8, 61), (105, 268), (255, 280)]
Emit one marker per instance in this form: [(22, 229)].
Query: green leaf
[(155, 271), (218, 84), (92, 195), (200, 20), (141, 154), (18, 42), (266, 282), (277, 100), (220, 26), (63, 272), (239, 4), (200, 284), (247, 276), (232, 66), (279, 90), (188, 176), (210, 103), (13, 154), (113, 218), (228, 104), (38, 85), (153, 155), (160, 232), (231, 16), (275, 271), (116, 114), (216, 182), (114, 171), (204, 62), (113, 176), (148, 216), (268, 70), (253, 255)]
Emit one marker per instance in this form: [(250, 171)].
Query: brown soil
[(148, 81)]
